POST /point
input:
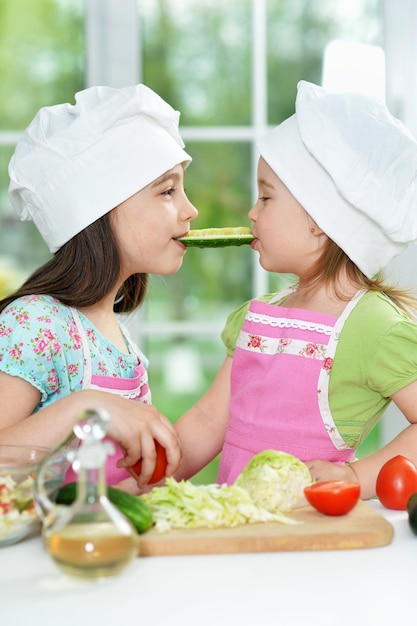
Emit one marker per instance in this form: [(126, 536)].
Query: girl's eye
[(168, 192), (263, 198)]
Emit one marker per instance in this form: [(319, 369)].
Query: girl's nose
[(192, 211), (252, 213)]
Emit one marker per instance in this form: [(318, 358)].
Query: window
[(41, 63)]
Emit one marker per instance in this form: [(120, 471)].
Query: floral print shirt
[(40, 343)]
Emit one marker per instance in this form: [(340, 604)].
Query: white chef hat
[(74, 163), (353, 168)]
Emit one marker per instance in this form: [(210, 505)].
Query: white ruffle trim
[(284, 322)]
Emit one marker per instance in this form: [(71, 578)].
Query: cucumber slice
[(217, 237)]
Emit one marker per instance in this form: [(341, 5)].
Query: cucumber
[(135, 509), (412, 512), (217, 237)]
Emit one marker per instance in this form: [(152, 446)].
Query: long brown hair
[(334, 261), (84, 271)]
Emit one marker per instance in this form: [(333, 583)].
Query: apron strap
[(87, 356), (324, 377)]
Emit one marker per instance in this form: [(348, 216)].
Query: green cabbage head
[(275, 480)]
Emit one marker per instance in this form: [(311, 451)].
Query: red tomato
[(160, 466), (333, 497), (396, 482)]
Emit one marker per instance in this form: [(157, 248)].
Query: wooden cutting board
[(363, 527)]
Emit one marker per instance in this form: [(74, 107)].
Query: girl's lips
[(253, 244), (180, 244)]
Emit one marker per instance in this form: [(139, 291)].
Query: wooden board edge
[(369, 529), (188, 546)]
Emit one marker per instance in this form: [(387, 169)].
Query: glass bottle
[(91, 538)]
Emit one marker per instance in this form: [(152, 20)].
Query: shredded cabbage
[(267, 488), (16, 505), (185, 505), (275, 480)]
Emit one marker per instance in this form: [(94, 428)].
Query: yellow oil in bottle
[(93, 550), (90, 538)]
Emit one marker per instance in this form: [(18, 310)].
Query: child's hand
[(325, 470), (136, 426)]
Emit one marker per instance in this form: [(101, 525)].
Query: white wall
[(401, 97)]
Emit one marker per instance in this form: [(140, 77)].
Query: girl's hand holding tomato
[(160, 465)]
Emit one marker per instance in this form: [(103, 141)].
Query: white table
[(377, 586)]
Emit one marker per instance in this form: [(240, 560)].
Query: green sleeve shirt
[(376, 356)]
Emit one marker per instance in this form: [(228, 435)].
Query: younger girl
[(103, 182), (310, 371)]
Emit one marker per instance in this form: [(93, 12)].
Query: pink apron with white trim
[(279, 387), (135, 388)]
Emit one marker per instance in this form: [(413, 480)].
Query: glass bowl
[(18, 515)]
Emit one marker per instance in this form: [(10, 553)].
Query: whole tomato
[(160, 465), (333, 497), (396, 482)]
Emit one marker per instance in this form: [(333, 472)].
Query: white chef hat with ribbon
[(74, 163), (353, 168)]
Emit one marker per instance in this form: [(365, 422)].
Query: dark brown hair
[(84, 271)]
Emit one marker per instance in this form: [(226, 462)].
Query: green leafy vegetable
[(185, 505), (268, 487), (275, 480)]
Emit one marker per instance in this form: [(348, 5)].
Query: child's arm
[(365, 471), (133, 425), (202, 429)]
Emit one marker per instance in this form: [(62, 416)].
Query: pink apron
[(135, 388), (279, 387)]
